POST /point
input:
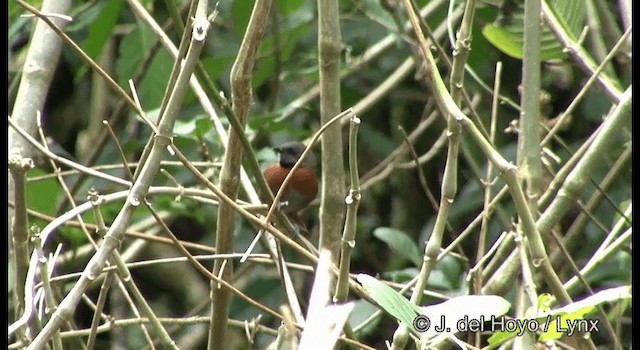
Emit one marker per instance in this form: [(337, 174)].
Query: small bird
[(303, 185)]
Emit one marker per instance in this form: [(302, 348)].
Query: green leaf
[(509, 43), (267, 122), (604, 296), (507, 33), (151, 89), (544, 302), (102, 27), (499, 338), (560, 324), (42, 195), (360, 313), (241, 12), (271, 124), (391, 301), (216, 66), (374, 8), (184, 128), (296, 12), (203, 125), (15, 10), (452, 270), (556, 323), (288, 7), (84, 19), (403, 275), (133, 48), (131, 54), (73, 236), (400, 243), (194, 128)]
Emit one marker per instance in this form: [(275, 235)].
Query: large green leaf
[(400, 243), (194, 128), (133, 49), (241, 12), (391, 301), (507, 33), (42, 195), (377, 12), (216, 66), (361, 312), (102, 27), (288, 7)]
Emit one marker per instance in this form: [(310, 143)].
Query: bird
[(302, 188)]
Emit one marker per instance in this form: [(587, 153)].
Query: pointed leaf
[(391, 301), (400, 243), (507, 33)]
